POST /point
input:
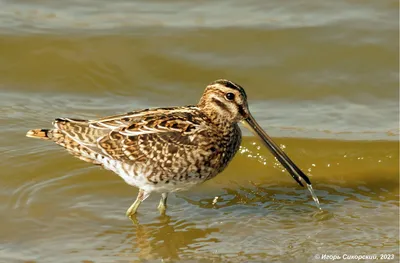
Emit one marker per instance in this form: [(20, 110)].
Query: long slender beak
[(294, 171)]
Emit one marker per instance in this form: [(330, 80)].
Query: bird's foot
[(162, 208)]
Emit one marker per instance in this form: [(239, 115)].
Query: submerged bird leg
[(162, 206), (142, 195)]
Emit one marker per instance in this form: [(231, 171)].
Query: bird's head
[(225, 102)]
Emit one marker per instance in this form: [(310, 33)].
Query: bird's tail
[(43, 134)]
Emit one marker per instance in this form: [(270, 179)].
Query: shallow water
[(321, 77)]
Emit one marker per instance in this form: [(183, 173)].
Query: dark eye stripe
[(231, 85), (241, 110), (220, 104)]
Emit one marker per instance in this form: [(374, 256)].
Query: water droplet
[(215, 200), (314, 196)]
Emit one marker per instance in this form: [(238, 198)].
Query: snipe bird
[(166, 150)]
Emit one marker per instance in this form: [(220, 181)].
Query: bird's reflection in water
[(164, 238)]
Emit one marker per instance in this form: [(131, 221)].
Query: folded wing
[(135, 136)]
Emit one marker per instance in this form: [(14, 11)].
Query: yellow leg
[(162, 206), (142, 195)]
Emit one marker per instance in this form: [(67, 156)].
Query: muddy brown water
[(321, 77)]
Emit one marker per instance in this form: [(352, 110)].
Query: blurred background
[(322, 77)]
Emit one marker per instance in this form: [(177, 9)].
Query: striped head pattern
[(225, 100)]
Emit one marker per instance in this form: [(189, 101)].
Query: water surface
[(322, 79)]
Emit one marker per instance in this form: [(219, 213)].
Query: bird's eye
[(230, 96)]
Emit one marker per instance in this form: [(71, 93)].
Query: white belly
[(139, 180)]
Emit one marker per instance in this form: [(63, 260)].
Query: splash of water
[(314, 196)]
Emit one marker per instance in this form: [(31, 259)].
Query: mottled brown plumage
[(164, 149)]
